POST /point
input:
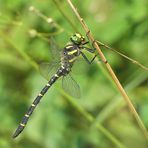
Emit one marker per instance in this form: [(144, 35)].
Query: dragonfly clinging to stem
[(68, 56)]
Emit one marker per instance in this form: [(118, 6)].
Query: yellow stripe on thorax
[(72, 52), (69, 46), (72, 59)]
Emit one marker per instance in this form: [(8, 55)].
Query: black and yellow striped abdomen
[(24, 121), (68, 56)]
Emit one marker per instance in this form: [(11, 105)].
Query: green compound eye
[(77, 38)]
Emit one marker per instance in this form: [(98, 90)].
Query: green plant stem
[(108, 110), (58, 5), (20, 52), (91, 119)]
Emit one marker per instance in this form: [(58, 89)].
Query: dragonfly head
[(77, 39)]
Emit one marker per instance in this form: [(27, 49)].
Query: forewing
[(71, 86), (54, 49), (80, 66), (47, 70)]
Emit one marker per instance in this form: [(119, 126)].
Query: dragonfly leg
[(93, 42), (89, 49), (86, 59), (85, 42), (87, 33), (90, 62)]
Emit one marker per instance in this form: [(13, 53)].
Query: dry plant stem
[(126, 57), (115, 79)]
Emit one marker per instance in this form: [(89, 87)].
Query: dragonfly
[(69, 54)]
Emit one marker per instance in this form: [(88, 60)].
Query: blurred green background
[(61, 121)]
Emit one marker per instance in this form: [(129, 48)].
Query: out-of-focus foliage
[(56, 123)]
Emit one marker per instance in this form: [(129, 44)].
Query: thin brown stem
[(115, 79), (123, 55)]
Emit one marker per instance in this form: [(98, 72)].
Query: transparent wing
[(47, 70), (54, 49), (71, 86), (80, 66)]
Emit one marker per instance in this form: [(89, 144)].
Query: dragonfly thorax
[(69, 54)]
